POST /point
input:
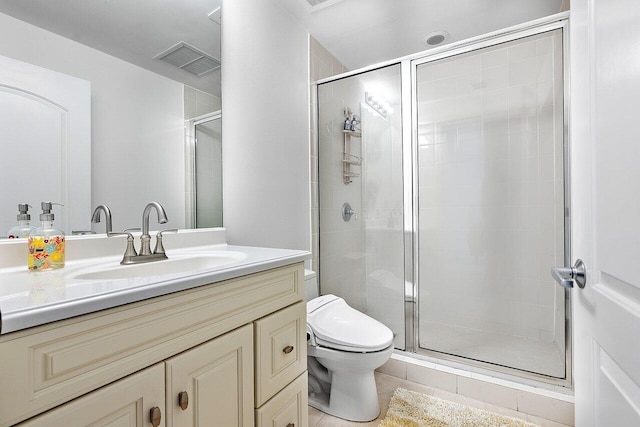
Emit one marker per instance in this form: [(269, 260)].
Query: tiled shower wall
[(492, 194), (382, 207), (361, 259), (322, 65), (197, 103), (342, 248)]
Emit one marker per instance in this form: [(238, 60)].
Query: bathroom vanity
[(219, 345)]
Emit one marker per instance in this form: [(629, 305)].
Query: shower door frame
[(411, 169), (190, 164), (408, 68)]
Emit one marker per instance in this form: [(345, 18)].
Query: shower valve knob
[(348, 212)]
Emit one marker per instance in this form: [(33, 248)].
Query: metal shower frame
[(408, 69)]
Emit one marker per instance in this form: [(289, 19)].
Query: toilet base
[(343, 384), (320, 401), (363, 407)]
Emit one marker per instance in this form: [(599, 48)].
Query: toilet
[(344, 348)]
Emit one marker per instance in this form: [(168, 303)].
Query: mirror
[(140, 105)]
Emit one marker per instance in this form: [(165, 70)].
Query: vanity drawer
[(45, 366), (281, 350), (287, 408)]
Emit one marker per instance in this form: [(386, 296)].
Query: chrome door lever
[(565, 276)]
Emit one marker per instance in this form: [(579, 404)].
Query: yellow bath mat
[(412, 409)]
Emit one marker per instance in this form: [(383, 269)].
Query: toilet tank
[(310, 285)]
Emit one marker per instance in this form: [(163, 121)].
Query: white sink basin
[(176, 264)]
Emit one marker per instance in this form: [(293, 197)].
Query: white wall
[(197, 103), (137, 124), (265, 84)]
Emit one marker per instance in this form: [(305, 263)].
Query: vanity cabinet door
[(212, 384), (130, 402)]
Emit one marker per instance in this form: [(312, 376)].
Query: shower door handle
[(566, 276)]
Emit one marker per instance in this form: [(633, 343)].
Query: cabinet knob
[(183, 400), (288, 349), (155, 415), (291, 425)]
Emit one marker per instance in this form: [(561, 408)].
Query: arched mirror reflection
[(149, 68)]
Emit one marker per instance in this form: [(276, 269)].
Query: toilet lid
[(336, 325)]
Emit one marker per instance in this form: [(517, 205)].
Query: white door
[(605, 135), (45, 137)]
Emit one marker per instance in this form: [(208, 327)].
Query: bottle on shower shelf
[(347, 123), (353, 126)]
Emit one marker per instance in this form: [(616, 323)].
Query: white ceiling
[(365, 32), (133, 30), (357, 32)]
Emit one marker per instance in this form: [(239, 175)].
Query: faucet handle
[(131, 229), (167, 230), (159, 249), (120, 233), (131, 250)]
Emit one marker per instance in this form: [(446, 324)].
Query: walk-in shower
[(454, 166), (204, 171)]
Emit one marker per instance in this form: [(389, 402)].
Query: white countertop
[(30, 298)]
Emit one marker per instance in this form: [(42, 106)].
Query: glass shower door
[(491, 209), (208, 172), (360, 164)]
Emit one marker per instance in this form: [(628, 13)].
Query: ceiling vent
[(189, 58), (321, 4)]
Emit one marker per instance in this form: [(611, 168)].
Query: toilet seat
[(334, 324)]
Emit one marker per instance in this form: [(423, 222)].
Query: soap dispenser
[(46, 243), (23, 228)]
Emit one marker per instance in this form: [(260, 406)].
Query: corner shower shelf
[(352, 133), (349, 159), (355, 161)]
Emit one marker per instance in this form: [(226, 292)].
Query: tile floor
[(387, 385)]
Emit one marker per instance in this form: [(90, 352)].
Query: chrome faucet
[(95, 218), (145, 254), (145, 239)]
